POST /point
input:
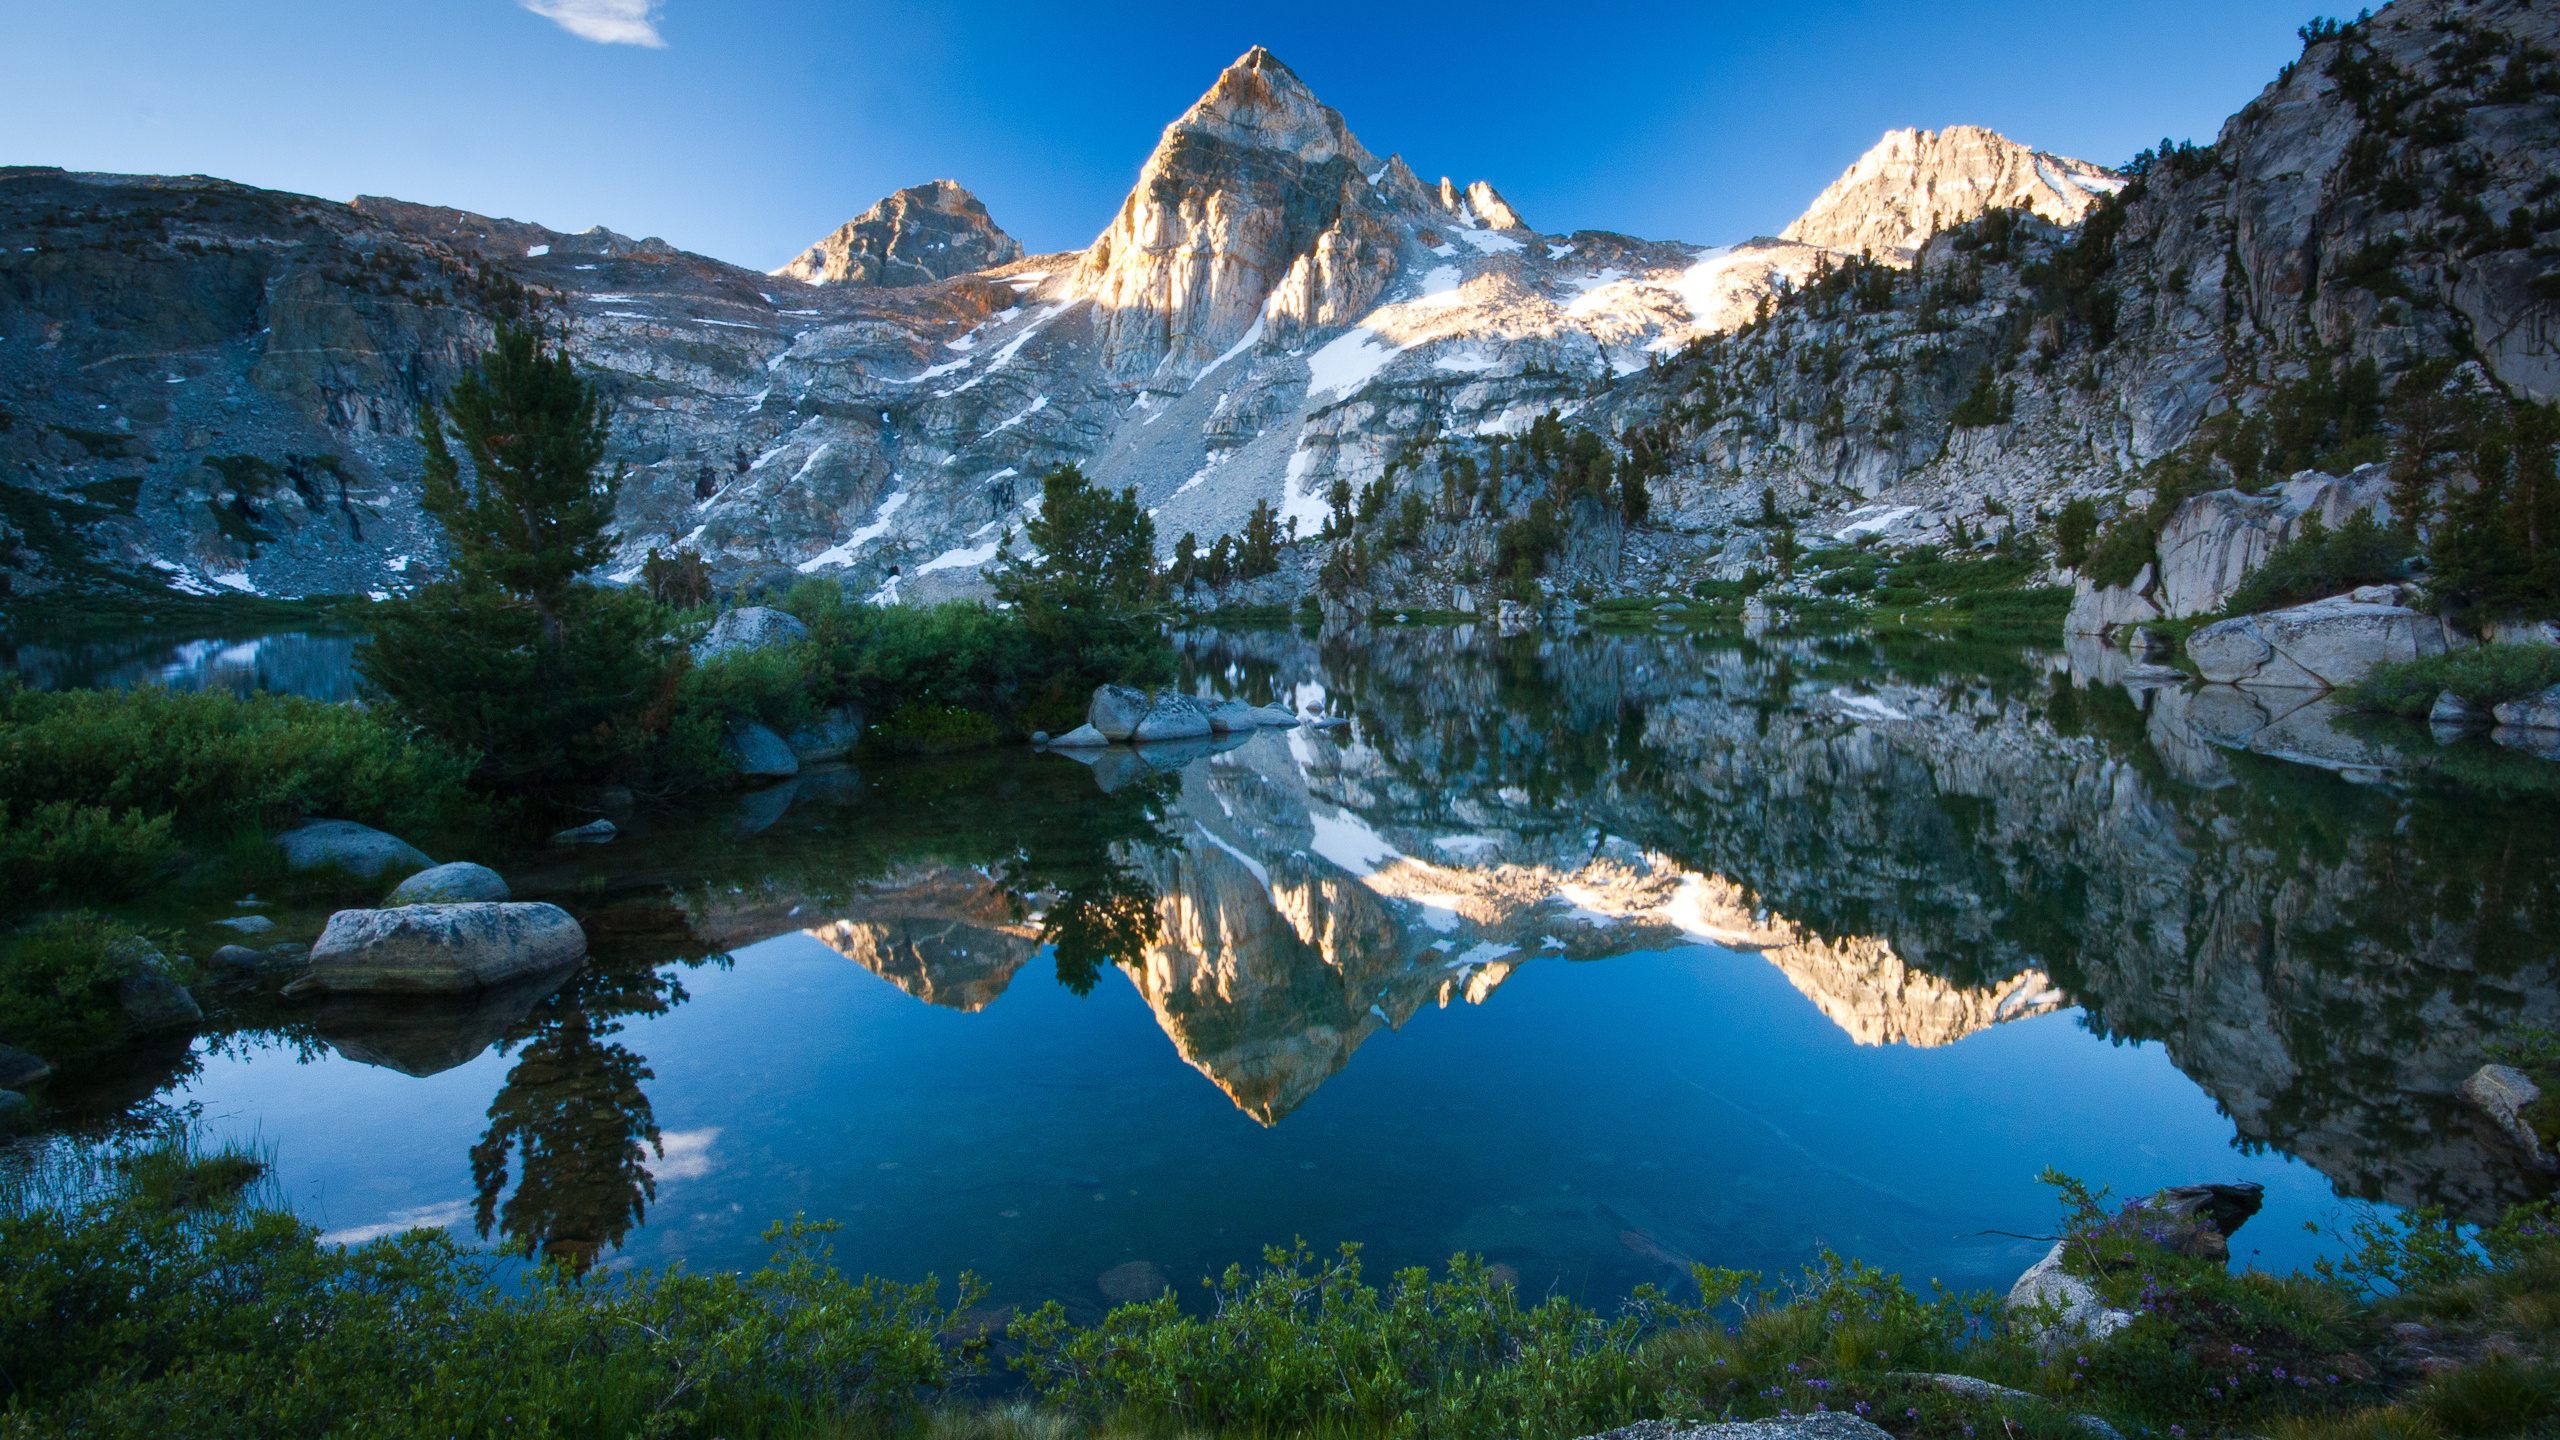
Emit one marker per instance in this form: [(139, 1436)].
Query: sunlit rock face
[(1915, 183), (946, 935), (2325, 958), (1295, 925), (921, 234)]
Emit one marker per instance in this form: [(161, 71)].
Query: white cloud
[(688, 1154), (425, 1217), (606, 22)]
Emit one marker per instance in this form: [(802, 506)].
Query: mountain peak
[(1913, 183), (1261, 104), (915, 236)]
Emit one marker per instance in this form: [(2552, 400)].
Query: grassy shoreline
[(160, 1290)]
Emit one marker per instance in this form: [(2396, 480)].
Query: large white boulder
[(440, 949), (750, 627), (356, 849), (1116, 710), (2078, 1311), (2533, 712), (2322, 645)]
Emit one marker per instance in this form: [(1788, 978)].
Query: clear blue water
[(1593, 956)]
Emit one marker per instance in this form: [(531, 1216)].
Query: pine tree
[(532, 518), (546, 680)]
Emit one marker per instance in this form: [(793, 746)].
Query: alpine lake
[(1595, 954)]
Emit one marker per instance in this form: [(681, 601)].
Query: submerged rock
[(356, 849), (440, 949), (1821, 1425), (451, 883), (239, 962), (594, 832), (14, 1109), (1133, 1283), (247, 924)]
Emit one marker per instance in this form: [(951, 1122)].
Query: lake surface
[(1594, 955)]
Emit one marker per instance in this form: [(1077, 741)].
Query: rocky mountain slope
[(216, 386), (921, 234)]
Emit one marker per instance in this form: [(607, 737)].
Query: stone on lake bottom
[(594, 832), (1133, 1282)]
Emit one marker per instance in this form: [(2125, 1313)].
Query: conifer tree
[(533, 518)]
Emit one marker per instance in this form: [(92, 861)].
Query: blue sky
[(752, 127)]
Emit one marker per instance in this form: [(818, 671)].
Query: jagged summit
[(919, 235), (1914, 183), (1261, 104)]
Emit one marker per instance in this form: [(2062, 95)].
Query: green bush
[(62, 851), (58, 982), (2484, 675), (2122, 551), (2319, 562), (921, 728), (215, 763), (486, 674), (171, 1308)]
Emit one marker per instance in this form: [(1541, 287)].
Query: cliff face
[(921, 234)]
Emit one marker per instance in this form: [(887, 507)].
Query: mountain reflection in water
[(1924, 839)]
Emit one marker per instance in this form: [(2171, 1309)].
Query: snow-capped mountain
[(216, 386)]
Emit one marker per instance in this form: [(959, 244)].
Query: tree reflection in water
[(573, 1115)]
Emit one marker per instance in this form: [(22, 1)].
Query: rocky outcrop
[(2319, 646), (2214, 541), (356, 849), (918, 235), (440, 949), (1914, 183), (2104, 609)]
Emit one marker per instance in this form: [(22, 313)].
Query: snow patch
[(843, 554), (1490, 242), (1346, 364), (1868, 706), (536, 251), (1347, 841), (1252, 337), (1878, 519), (969, 559)]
